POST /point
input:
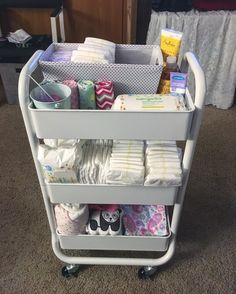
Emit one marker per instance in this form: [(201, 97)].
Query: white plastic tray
[(109, 124), (104, 194), (134, 243)]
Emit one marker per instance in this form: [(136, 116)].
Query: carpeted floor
[(206, 250)]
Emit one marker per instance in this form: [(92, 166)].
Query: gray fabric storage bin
[(131, 74)]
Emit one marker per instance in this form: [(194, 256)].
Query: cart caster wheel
[(147, 272), (70, 271)]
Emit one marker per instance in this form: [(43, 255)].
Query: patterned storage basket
[(131, 74)]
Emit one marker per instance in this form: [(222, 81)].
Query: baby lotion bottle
[(171, 66)]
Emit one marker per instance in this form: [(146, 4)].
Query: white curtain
[(212, 37)]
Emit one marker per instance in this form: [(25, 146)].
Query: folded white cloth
[(85, 58), (102, 44), (104, 51), (91, 40)]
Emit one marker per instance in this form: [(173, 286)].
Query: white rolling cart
[(181, 126)]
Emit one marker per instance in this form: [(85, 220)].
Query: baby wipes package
[(149, 102)]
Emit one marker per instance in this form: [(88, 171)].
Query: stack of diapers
[(145, 220), (126, 163), (71, 219), (149, 102), (95, 162), (105, 220), (60, 160), (94, 50), (163, 164)]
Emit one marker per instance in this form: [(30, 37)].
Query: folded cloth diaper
[(71, 219), (105, 222), (104, 94), (144, 220), (104, 44), (87, 58)]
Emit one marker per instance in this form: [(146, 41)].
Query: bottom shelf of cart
[(98, 242)]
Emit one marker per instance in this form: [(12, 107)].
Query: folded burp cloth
[(104, 94), (74, 93), (96, 51), (82, 57), (145, 220), (102, 44), (86, 95), (71, 219)]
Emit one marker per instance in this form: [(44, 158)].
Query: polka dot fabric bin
[(131, 74)]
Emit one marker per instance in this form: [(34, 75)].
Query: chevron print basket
[(131, 74)]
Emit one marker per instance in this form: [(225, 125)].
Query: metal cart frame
[(149, 264)]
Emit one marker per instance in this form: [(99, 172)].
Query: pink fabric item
[(71, 223), (145, 220), (107, 207), (104, 94), (74, 93)]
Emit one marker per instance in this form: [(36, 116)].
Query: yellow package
[(170, 43)]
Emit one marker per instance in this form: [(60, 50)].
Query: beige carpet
[(205, 259)]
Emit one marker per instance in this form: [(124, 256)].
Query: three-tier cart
[(97, 124)]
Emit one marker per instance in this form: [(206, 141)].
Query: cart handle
[(199, 77), (23, 84)]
